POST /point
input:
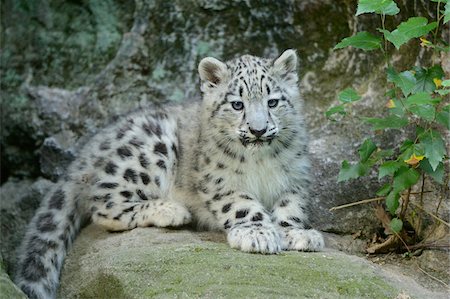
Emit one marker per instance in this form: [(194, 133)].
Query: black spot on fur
[(100, 162), (141, 194), (296, 219), (143, 160), (284, 203), (45, 223), (220, 165), (217, 196), (284, 224), (241, 213), (160, 148), (161, 164), (218, 181), (136, 142), (175, 150), (108, 185), (102, 215), (126, 194), (105, 145), (34, 268), (111, 168), (258, 217), (110, 204), (57, 200), (150, 128), (245, 196), (124, 152), (145, 178), (227, 224), (157, 181), (130, 175), (226, 208)]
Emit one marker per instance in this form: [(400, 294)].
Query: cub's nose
[(258, 133)]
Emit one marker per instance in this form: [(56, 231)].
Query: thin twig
[(366, 201), (357, 203), (405, 204), (432, 215), (431, 276), (428, 245)]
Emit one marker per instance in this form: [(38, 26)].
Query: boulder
[(162, 263)]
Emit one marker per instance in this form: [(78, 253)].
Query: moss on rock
[(157, 263)]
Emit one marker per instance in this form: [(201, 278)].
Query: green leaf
[(419, 99), (412, 28), (362, 40), (348, 95), (443, 117), (437, 175), (443, 92), (434, 147), (399, 109), (427, 112), (382, 7), (383, 191), (396, 225), (446, 83), (333, 110), (404, 178), (424, 78), (349, 171), (389, 168), (392, 202), (366, 150), (392, 121), (405, 80)]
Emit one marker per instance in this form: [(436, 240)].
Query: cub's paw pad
[(259, 239), (169, 213), (302, 239)]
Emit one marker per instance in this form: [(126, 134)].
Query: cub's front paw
[(249, 237), (301, 239)]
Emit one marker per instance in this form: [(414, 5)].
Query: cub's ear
[(286, 64), (212, 71)]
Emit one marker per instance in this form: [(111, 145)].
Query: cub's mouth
[(258, 142)]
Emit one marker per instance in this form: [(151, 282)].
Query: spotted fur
[(236, 162)]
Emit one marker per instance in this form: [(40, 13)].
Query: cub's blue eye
[(237, 105), (272, 103)]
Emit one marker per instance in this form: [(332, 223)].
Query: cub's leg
[(246, 222), (135, 170), (290, 216)]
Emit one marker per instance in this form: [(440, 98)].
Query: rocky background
[(70, 67)]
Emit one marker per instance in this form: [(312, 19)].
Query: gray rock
[(160, 263)]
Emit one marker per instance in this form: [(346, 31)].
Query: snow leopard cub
[(236, 162)]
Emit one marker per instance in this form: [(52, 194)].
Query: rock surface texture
[(70, 67), (160, 263)]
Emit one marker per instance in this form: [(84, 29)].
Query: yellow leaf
[(437, 82), (425, 42), (390, 104), (414, 160)]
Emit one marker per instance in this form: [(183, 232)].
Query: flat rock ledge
[(162, 263)]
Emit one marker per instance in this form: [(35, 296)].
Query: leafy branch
[(417, 99)]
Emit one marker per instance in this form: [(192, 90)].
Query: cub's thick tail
[(49, 235)]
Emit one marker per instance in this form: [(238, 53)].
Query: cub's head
[(252, 100)]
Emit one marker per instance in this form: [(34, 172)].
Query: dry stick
[(405, 204), (431, 276), (366, 201), (432, 215), (441, 197)]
